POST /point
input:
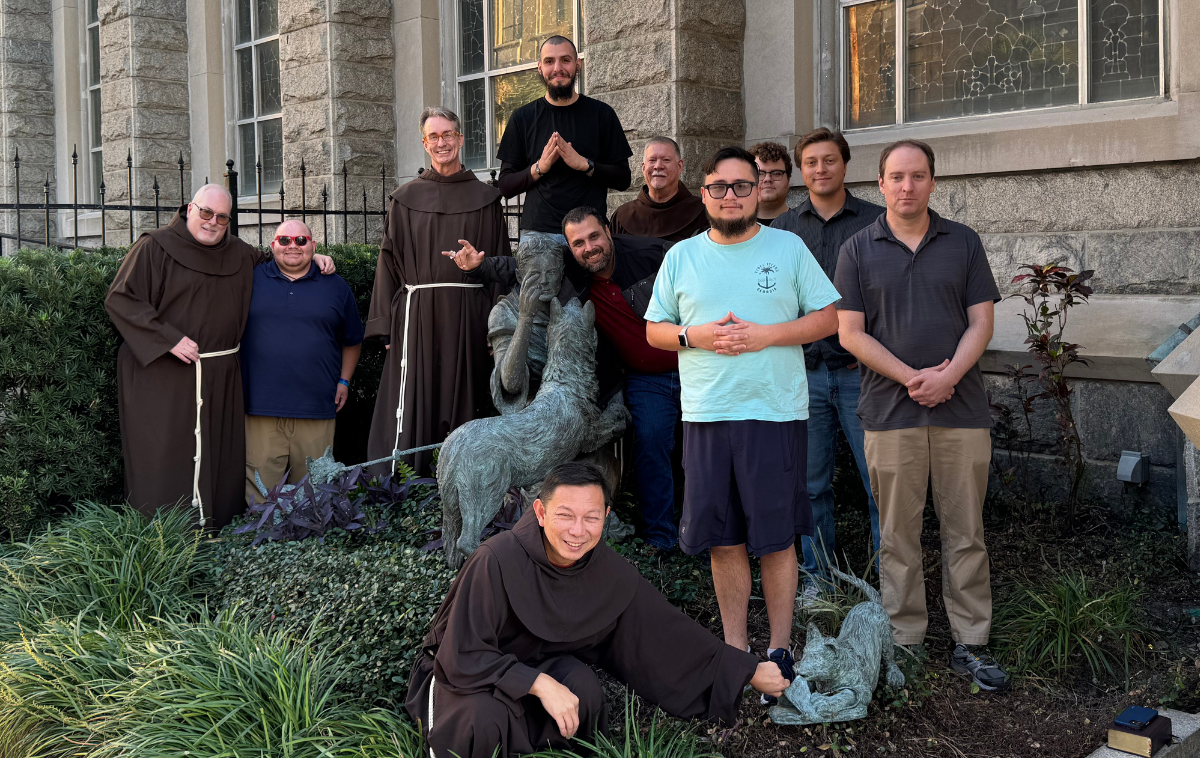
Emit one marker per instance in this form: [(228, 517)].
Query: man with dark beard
[(744, 392), (563, 150)]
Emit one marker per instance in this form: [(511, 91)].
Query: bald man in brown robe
[(664, 208), (422, 295), (506, 662)]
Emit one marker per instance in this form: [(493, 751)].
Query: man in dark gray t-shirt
[(917, 311)]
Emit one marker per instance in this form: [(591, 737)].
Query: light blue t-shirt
[(769, 279)]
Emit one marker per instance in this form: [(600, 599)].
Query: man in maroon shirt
[(616, 272)]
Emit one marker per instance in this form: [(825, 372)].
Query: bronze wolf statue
[(483, 458), (845, 669)]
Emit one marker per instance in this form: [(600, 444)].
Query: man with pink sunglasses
[(299, 351)]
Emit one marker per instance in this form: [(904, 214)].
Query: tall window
[(971, 57), (497, 65), (95, 152), (259, 100)]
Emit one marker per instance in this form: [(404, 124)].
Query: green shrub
[(104, 564), (672, 739), (1050, 629), (374, 599), (59, 433), (60, 436)]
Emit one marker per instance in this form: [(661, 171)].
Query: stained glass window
[(497, 64), (259, 97), (1123, 62), (974, 57)]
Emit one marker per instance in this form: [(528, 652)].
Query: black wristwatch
[(683, 340), (591, 167)]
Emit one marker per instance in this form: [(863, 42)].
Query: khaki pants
[(901, 463), (274, 444)]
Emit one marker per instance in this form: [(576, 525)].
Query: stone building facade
[(1065, 129)]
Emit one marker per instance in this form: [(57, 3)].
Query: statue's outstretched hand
[(768, 679), (468, 258)]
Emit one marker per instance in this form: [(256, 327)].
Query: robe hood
[(653, 219), (561, 604), (458, 193), (222, 259)]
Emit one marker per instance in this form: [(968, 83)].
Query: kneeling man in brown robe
[(506, 663)]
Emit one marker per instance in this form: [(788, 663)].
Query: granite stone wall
[(336, 73), (668, 67), (144, 96), (26, 114)]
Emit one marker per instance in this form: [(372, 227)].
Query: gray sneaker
[(809, 597), (976, 662)]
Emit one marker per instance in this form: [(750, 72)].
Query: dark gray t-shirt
[(916, 304)]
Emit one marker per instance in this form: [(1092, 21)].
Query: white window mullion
[(900, 77), (1083, 53)]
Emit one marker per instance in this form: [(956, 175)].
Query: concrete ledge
[(1117, 333), (1185, 726)]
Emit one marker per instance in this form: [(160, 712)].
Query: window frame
[(92, 124), (1083, 39), (489, 74), (238, 122)]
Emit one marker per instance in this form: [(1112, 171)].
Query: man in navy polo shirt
[(299, 351)]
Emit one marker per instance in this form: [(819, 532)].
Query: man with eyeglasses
[(664, 209), (828, 217), (727, 301), (299, 352), (430, 315), (564, 150), (180, 301), (774, 178)]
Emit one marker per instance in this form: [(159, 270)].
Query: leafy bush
[(374, 598), (1049, 629), (107, 565), (658, 740), (59, 433), (60, 438)]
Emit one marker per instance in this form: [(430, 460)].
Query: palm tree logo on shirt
[(766, 282)]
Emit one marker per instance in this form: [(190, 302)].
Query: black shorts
[(745, 484)]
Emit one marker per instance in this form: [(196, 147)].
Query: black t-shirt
[(592, 128), (915, 304)]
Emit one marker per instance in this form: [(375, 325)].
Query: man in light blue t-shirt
[(738, 302)]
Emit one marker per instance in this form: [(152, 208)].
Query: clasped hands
[(557, 147), (730, 335), (932, 386)]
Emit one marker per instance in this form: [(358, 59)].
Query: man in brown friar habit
[(432, 316), (504, 669), (180, 301), (664, 208)]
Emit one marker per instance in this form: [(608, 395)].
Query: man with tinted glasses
[(180, 301), (774, 178), (299, 352), (727, 302)]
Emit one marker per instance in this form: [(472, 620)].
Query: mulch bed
[(936, 714)]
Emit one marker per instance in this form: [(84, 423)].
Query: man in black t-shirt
[(564, 150)]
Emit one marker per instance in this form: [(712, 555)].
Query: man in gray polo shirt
[(917, 312)]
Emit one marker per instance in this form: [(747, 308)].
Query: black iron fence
[(263, 216)]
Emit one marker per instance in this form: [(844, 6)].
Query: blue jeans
[(653, 400), (832, 399)]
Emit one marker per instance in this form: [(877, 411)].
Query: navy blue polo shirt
[(292, 346)]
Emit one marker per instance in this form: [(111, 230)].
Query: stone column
[(144, 96), (26, 114), (671, 67), (336, 61)]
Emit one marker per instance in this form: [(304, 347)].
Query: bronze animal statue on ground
[(844, 669), (483, 458)]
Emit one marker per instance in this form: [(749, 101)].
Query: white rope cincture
[(404, 351), (429, 728), (197, 503)]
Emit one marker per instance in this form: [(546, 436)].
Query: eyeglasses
[(434, 139), (774, 176), (717, 190), (207, 214), (285, 240)]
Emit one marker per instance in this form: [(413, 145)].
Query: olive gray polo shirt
[(915, 304)]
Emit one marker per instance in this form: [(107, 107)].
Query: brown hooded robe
[(511, 615), (677, 219), (448, 360), (169, 287)]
